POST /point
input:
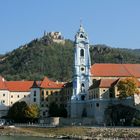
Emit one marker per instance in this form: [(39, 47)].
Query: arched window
[(82, 52), (82, 87), (81, 36)]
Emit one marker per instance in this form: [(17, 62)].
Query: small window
[(97, 104), (11, 103), (42, 105), (3, 94), (34, 93), (3, 101), (42, 93), (44, 113), (18, 96), (11, 96), (46, 92), (24, 96), (34, 99), (47, 99)]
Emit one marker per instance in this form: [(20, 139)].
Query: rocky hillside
[(43, 57)]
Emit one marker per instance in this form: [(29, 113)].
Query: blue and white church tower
[(81, 74)]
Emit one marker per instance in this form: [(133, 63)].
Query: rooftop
[(115, 70)]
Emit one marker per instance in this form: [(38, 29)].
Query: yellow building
[(49, 93)]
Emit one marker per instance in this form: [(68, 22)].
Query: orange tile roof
[(106, 83), (103, 83), (115, 70), (19, 86), (47, 83)]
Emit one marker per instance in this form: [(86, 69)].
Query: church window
[(82, 52), (81, 36), (82, 87)]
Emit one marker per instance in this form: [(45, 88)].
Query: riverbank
[(73, 132)]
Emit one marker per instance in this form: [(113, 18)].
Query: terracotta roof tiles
[(115, 70), (19, 86), (47, 83)]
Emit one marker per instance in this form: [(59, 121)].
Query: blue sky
[(112, 22)]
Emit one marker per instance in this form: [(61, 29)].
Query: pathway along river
[(22, 138)]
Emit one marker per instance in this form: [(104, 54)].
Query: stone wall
[(95, 108)]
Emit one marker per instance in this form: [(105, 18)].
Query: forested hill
[(42, 57)]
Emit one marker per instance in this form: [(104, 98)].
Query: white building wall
[(18, 97), (4, 102)]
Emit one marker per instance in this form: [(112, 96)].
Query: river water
[(22, 138)]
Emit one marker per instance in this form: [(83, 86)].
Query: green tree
[(120, 115), (32, 112), (127, 87), (62, 112), (55, 111), (17, 112)]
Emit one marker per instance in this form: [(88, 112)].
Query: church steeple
[(81, 74), (81, 35)]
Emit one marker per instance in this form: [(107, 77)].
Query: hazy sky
[(112, 22)]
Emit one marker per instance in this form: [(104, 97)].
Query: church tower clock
[(82, 64)]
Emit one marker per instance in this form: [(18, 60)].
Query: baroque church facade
[(93, 85)]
